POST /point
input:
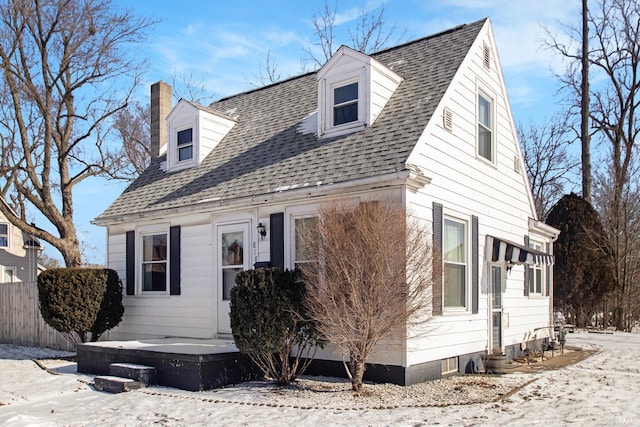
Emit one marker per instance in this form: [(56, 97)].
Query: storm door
[(233, 257), (495, 309)]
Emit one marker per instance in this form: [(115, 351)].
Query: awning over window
[(512, 253)]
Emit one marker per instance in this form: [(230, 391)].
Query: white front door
[(233, 257), (495, 309)]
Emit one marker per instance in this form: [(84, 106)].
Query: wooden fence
[(20, 319)]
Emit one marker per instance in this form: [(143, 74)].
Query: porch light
[(262, 231)]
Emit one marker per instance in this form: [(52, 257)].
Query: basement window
[(449, 365)]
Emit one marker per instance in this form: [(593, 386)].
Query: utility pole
[(585, 137)]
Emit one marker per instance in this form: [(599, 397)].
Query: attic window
[(185, 144), (345, 104), (486, 56)]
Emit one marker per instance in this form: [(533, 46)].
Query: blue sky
[(223, 44)]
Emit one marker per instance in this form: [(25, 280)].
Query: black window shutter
[(174, 260), (276, 241), (474, 264), (526, 270), (436, 293), (130, 262)]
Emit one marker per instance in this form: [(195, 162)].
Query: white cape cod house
[(426, 124)]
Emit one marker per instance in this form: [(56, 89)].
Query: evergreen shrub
[(80, 301), (269, 321)]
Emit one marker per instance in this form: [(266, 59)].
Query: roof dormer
[(353, 88), (194, 131)]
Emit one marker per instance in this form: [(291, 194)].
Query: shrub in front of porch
[(270, 324), (80, 301)]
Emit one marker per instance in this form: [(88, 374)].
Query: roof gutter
[(414, 179)]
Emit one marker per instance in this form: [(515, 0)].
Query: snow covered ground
[(601, 390)]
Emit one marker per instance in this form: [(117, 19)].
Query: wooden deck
[(188, 364)]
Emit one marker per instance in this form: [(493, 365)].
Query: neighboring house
[(426, 124), (18, 253)]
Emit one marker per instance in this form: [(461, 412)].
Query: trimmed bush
[(269, 321), (79, 301)]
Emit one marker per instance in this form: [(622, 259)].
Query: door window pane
[(232, 248), (496, 287), (496, 330), (232, 253)]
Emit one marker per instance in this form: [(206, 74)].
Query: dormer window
[(185, 144), (353, 88), (194, 131), (345, 104)]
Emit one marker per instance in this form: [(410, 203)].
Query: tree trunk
[(356, 367)]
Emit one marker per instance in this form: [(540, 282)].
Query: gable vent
[(447, 119), (486, 56), (516, 164)]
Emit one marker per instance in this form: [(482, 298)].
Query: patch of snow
[(308, 125), (599, 390)]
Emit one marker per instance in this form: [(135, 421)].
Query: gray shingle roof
[(266, 152)]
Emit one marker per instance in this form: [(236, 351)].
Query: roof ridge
[(299, 76)]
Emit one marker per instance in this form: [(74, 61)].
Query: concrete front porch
[(188, 364)]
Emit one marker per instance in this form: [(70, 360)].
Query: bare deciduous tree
[(371, 32), (548, 162), (65, 70), (269, 70), (133, 127), (614, 60), (371, 277)]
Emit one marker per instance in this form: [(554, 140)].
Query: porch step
[(125, 377), (146, 375), (113, 384)]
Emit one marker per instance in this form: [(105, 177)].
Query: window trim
[(7, 235), (326, 103), (14, 271), (467, 263), (152, 230), (492, 125)]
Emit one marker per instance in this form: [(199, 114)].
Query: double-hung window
[(4, 235), (303, 230), (345, 104), (536, 273), (154, 262), (454, 248), (185, 144), (485, 127)]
